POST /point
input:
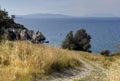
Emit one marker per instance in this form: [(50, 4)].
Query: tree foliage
[(6, 22), (69, 41), (79, 41), (5, 19)]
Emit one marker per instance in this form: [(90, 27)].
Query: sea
[(105, 32)]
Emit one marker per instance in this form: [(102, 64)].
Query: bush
[(79, 41), (105, 52)]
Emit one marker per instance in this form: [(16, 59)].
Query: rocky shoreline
[(19, 32)]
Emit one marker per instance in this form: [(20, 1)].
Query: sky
[(67, 7)]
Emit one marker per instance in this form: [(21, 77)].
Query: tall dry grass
[(110, 63), (23, 61), (114, 69), (103, 61)]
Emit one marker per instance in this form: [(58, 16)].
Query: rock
[(39, 37), (24, 35), (19, 32), (31, 34), (46, 41), (18, 35), (10, 34)]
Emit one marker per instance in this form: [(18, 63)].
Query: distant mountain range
[(44, 16), (39, 15)]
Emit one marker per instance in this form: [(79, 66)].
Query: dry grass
[(110, 63), (23, 61), (114, 69), (103, 61)]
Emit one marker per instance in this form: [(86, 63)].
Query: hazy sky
[(68, 7)]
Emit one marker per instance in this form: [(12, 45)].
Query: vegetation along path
[(89, 71)]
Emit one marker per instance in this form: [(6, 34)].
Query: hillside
[(23, 61)]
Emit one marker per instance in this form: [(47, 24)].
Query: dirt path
[(89, 71)]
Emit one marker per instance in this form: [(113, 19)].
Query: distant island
[(48, 15), (41, 15)]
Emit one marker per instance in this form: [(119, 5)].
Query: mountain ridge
[(48, 15), (44, 15)]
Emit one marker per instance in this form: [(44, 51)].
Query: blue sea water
[(105, 32)]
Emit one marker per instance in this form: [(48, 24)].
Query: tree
[(13, 16), (68, 43), (6, 21), (82, 40), (79, 41)]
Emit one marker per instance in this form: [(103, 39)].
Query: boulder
[(40, 38), (24, 35), (31, 35), (10, 34), (46, 41)]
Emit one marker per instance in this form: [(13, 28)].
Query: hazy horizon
[(66, 7)]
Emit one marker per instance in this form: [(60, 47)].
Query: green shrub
[(79, 41), (105, 52)]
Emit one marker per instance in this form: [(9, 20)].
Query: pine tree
[(68, 43)]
